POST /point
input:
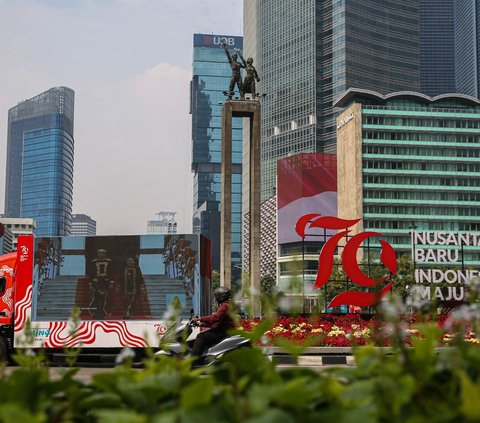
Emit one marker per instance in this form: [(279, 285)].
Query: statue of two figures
[(247, 86)]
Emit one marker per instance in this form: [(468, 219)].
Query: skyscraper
[(39, 168), (311, 51), (83, 225), (437, 46), (467, 47), (211, 76)]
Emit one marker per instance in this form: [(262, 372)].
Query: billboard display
[(306, 183), (116, 277)]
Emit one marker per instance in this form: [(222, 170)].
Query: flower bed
[(347, 330)]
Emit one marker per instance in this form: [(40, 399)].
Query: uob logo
[(349, 259)]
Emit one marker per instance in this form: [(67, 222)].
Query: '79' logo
[(349, 259)]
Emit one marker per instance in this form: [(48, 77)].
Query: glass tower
[(310, 51), (211, 76), (437, 46), (39, 170), (467, 46)]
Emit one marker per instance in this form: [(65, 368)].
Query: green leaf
[(470, 398), (119, 416), (15, 413), (101, 400), (272, 416), (197, 393)]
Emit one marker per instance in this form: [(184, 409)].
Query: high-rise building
[(310, 51), (165, 223), (211, 76), (39, 168), (449, 46), (437, 46), (467, 47), (83, 225), (408, 161), (14, 227)]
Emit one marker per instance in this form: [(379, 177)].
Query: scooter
[(183, 337)]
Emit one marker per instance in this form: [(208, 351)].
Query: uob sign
[(349, 260)]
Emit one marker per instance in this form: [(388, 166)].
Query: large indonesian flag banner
[(306, 183)]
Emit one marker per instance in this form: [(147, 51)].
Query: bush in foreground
[(398, 384)]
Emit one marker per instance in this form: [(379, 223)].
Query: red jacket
[(221, 319)]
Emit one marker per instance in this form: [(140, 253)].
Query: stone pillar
[(246, 109)]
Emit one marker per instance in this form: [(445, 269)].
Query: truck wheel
[(3, 349)]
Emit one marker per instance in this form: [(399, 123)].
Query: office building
[(211, 76), (165, 223), (83, 225), (437, 46), (39, 168), (407, 161), (467, 47), (449, 46), (14, 227), (309, 52)]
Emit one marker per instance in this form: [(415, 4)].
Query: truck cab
[(7, 266)]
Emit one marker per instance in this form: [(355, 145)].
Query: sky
[(130, 65)]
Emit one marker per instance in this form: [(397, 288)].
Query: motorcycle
[(183, 337)]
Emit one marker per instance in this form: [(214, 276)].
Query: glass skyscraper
[(450, 46), (39, 168), (437, 46), (467, 46), (310, 51), (211, 76)]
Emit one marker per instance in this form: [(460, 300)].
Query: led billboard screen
[(306, 183), (116, 277)]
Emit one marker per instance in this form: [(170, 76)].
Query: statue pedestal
[(249, 109)]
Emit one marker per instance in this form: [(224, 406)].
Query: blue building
[(467, 46), (437, 46), (211, 76), (449, 46), (39, 170)]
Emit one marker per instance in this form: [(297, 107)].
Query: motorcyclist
[(217, 324)]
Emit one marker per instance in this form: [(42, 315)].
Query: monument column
[(244, 109)]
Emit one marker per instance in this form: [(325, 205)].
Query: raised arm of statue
[(226, 50), (241, 57)]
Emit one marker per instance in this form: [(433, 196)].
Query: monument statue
[(236, 76), (250, 77)]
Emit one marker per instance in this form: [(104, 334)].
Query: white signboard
[(438, 256)]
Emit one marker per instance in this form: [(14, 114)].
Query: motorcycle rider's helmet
[(222, 294)]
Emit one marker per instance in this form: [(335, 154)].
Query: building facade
[(409, 162), (83, 225), (467, 47), (165, 223), (211, 77), (14, 227), (449, 46), (39, 168), (437, 46), (309, 52)]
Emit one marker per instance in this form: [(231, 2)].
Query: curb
[(315, 361)]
